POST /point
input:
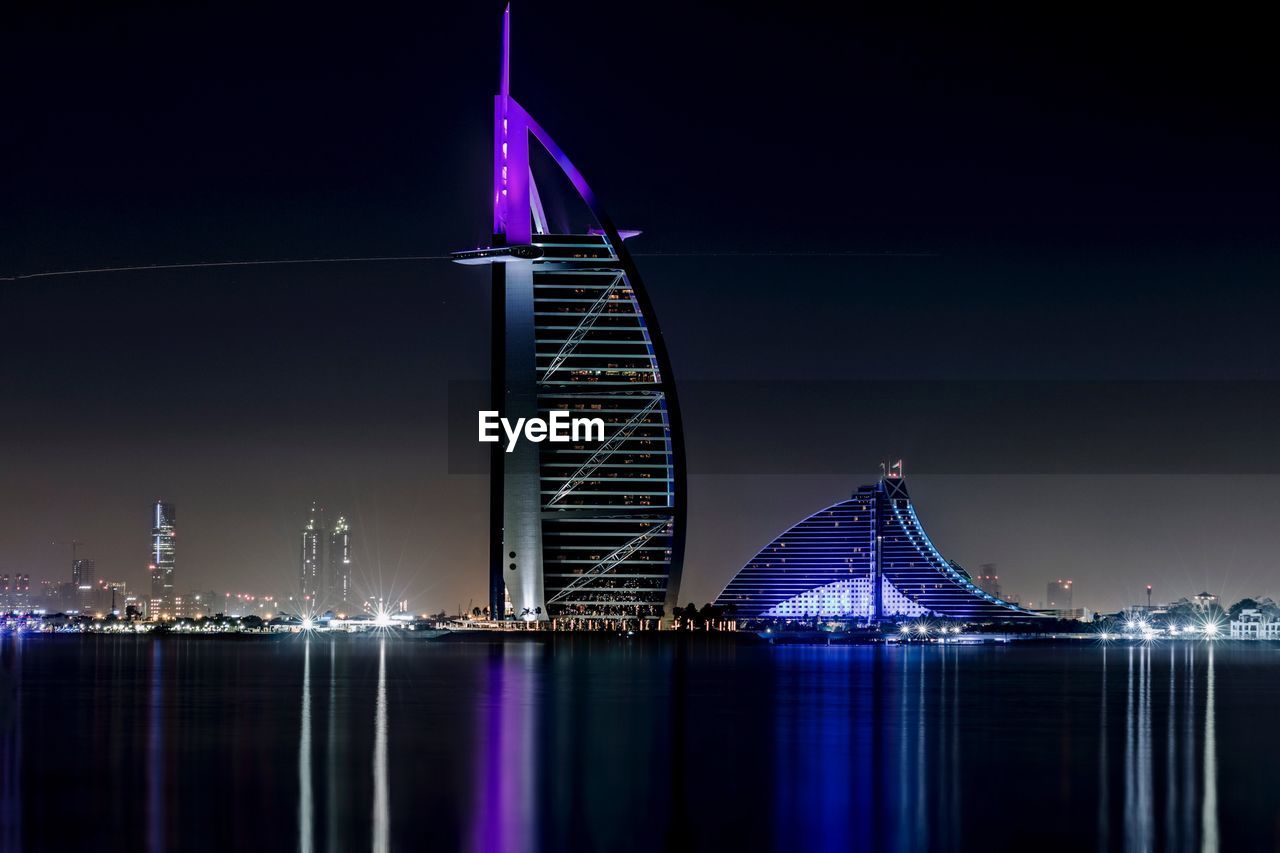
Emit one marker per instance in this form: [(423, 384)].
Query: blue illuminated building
[(866, 558)]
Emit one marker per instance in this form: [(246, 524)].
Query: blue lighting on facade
[(827, 565)]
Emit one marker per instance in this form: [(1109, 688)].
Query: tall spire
[(504, 84), (511, 211)]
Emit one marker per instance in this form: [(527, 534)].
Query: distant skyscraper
[(313, 542), (162, 558), (15, 593), (1057, 595), (20, 593), (988, 580), (337, 581), (114, 594), (82, 572)]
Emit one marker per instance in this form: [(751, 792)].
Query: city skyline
[(998, 262), (315, 536)]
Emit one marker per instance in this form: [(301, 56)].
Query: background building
[(1205, 601), (1057, 595), (163, 558), (87, 599), (1255, 624), (116, 594), (20, 594), (310, 578), (988, 580), (337, 586), (82, 571)]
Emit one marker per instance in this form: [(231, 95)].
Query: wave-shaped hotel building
[(866, 558), (578, 530)]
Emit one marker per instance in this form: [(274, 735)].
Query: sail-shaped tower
[(590, 530)]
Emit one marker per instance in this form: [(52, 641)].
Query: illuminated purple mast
[(510, 155), (593, 530)]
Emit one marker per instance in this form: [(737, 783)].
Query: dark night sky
[(1076, 352)]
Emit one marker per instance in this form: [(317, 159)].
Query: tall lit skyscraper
[(587, 529), (82, 572), (337, 581), (163, 554), (313, 541), (15, 593)]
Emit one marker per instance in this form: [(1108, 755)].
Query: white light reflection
[(1139, 835), (306, 806), (1209, 807), (381, 807)]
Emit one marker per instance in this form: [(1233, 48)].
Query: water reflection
[(1182, 801), (11, 744), (306, 821), (1137, 759), (334, 802), (1188, 807), (1171, 752), (156, 753), (868, 749), (609, 747), (1104, 799), (381, 842), (504, 806), (815, 754), (1209, 813)]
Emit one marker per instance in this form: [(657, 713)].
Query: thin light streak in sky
[(205, 264), (390, 258)]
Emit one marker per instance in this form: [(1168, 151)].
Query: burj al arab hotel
[(590, 530)]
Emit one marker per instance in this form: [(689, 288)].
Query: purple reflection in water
[(11, 745), (504, 815), (155, 752)]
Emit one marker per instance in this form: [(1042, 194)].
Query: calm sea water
[(356, 743)]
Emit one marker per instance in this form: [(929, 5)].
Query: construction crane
[(75, 552)]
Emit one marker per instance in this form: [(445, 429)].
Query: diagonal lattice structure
[(604, 451), (609, 561), (583, 328)]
